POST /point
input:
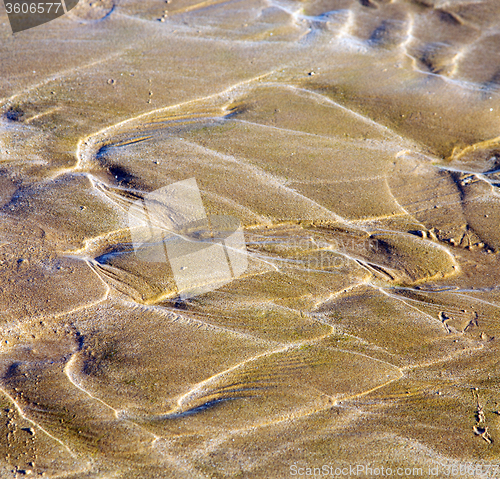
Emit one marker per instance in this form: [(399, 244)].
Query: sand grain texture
[(356, 142)]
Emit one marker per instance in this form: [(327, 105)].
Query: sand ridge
[(355, 141)]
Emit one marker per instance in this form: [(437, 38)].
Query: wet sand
[(358, 144)]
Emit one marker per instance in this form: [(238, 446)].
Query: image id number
[(32, 7)]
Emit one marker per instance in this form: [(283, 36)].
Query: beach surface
[(356, 142)]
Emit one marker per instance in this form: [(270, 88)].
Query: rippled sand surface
[(358, 144)]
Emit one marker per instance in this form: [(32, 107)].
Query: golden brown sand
[(357, 142)]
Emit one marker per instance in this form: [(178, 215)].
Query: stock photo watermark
[(490, 471), (171, 225), (26, 14)]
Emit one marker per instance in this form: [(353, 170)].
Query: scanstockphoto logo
[(204, 252), (25, 14)]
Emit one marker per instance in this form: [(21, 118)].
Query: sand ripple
[(356, 142)]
